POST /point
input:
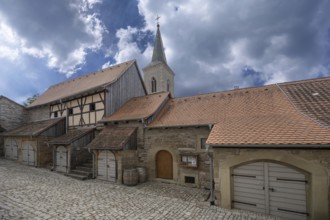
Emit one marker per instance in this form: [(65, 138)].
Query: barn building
[(263, 149)]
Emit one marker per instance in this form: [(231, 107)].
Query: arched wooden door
[(164, 165)]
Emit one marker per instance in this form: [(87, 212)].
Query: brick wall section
[(178, 141)]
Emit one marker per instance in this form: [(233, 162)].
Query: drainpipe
[(93, 153), (211, 174)]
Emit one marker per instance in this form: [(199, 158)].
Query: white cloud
[(62, 33), (211, 42)]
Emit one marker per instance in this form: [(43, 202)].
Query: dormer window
[(153, 85)]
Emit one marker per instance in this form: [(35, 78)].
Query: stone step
[(83, 168), (76, 176), (81, 172)]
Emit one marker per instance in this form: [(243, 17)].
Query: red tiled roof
[(252, 116), (139, 107), (81, 84), (112, 138), (311, 97), (71, 136)]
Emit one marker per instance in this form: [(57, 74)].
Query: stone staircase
[(82, 172)]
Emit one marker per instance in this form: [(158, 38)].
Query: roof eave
[(274, 146)]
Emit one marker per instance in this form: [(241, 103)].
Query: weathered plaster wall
[(315, 163)]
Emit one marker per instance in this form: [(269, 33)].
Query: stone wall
[(179, 141), (315, 163), (38, 113), (12, 115)]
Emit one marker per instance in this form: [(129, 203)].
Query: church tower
[(158, 76)]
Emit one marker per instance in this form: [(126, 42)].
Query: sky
[(211, 45)]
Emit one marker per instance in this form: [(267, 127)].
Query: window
[(153, 85), (55, 114), (189, 160), (92, 107), (168, 85), (189, 179), (70, 111), (203, 143)]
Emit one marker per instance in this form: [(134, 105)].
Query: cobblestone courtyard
[(35, 193)]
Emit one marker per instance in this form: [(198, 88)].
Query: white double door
[(106, 166), (61, 159), (270, 188), (10, 149), (28, 154)]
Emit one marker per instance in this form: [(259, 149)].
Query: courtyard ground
[(36, 193)]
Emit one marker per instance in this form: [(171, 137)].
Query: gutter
[(273, 146)]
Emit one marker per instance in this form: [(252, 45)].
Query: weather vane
[(157, 18)]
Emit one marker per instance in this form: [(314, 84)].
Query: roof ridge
[(305, 80), (88, 74), (298, 110), (226, 91)]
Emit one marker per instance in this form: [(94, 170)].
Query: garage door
[(106, 166), (10, 149), (28, 154), (61, 159), (270, 188)]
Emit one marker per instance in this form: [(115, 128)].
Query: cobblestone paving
[(35, 193)]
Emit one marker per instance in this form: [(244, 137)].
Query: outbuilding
[(28, 143)]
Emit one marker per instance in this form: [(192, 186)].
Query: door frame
[(318, 177)]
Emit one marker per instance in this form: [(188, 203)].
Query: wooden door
[(61, 159), (106, 166), (164, 165), (28, 157), (10, 149), (270, 188)]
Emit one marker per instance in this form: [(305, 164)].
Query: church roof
[(139, 107), (158, 53), (252, 116), (85, 83)]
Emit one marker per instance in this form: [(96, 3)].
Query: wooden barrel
[(142, 171), (130, 177)]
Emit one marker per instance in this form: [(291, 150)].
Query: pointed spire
[(158, 53)]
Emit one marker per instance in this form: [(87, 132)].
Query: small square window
[(189, 179), (92, 107), (55, 114), (189, 160), (70, 111)]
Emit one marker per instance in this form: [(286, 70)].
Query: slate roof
[(139, 107), (158, 53), (33, 128), (252, 116), (71, 136), (85, 83), (112, 138), (311, 97)]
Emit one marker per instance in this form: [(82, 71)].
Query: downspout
[(211, 174), (93, 171)]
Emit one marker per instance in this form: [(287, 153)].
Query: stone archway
[(164, 165)]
